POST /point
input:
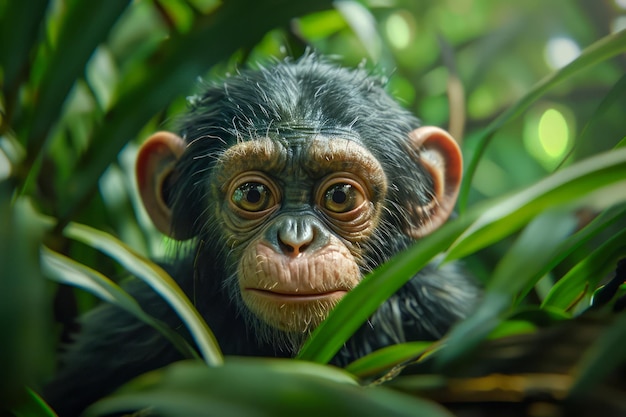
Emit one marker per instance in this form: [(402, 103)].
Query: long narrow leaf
[(600, 51), (32, 406), (19, 30), (75, 45), (384, 359), (158, 279), (569, 184), (354, 309), (261, 387), (585, 276), (520, 267), (67, 271), (605, 220), (170, 73), (603, 358)]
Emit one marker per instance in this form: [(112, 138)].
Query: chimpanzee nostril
[(294, 244)]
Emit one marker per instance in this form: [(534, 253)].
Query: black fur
[(288, 99)]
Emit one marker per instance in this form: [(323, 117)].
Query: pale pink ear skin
[(441, 156), (155, 162)]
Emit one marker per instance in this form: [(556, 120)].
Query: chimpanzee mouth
[(294, 297)]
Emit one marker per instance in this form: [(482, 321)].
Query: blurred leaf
[(158, 280), (599, 51), (599, 224), (23, 302), (586, 275), (513, 274), (569, 184), (603, 358), (66, 271), (170, 72), (33, 406), (385, 358), (594, 125), (364, 26), (522, 265), (512, 327), (20, 27), (75, 45), (320, 25), (260, 387)]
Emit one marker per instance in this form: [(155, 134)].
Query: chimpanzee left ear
[(440, 155), (155, 163)]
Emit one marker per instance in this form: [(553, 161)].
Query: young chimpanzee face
[(301, 202)]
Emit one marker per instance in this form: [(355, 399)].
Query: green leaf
[(586, 275), (468, 334), (170, 73), (599, 224), (158, 280), (359, 304), (24, 305), (19, 30), (384, 359), (74, 47), (570, 184), (603, 358), (600, 51), (33, 406), (522, 265), (260, 387), (67, 271)]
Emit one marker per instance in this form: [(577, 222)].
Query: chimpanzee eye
[(342, 197), (252, 196)]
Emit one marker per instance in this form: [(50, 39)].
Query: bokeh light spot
[(547, 136), (398, 30), (560, 51), (553, 133)]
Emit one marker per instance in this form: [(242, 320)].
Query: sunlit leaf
[(384, 359), (66, 271), (564, 186), (158, 280)]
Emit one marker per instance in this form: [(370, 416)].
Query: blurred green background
[(83, 83)]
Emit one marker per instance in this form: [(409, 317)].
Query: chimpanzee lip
[(299, 296)]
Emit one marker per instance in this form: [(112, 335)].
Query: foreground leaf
[(570, 184), (260, 387), (158, 280), (67, 271)]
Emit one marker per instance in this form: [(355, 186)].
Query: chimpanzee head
[(300, 178)]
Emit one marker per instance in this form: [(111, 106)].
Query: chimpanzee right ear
[(155, 163)]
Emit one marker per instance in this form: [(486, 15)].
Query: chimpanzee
[(287, 184)]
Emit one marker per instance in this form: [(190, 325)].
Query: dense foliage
[(533, 90)]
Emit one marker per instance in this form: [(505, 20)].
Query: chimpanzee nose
[(292, 236), (295, 241)]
